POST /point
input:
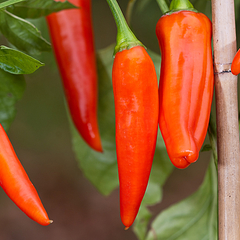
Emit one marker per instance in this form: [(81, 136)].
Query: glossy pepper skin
[(72, 38), (135, 90), (15, 182), (235, 67), (186, 83)]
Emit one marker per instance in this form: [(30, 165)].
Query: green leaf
[(16, 62), (10, 2), (141, 222), (38, 8), (11, 90), (22, 34), (101, 168), (206, 148), (193, 218)]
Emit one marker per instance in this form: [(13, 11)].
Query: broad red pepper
[(186, 82), (15, 182), (72, 37), (135, 89)]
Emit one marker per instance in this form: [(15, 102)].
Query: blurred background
[(41, 137)]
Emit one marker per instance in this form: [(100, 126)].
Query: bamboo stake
[(224, 41)]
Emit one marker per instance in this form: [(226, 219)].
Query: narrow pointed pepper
[(235, 67), (135, 91), (72, 38), (15, 182), (186, 81)]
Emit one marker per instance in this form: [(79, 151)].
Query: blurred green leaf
[(22, 34), (9, 2), (141, 4), (193, 218), (206, 148), (141, 222), (11, 90), (38, 8), (101, 168), (16, 62)]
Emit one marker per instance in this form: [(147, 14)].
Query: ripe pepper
[(15, 182), (135, 91), (72, 37), (136, 115), (186, 81), (235, 67)]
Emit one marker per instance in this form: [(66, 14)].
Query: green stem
[(163, 5), (180, 5), (125, 37)]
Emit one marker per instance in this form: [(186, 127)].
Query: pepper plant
[(26, 50)]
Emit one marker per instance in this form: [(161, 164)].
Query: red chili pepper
[(186, 83), (135, 90), (235, 67), (72, 37), (16, 184)]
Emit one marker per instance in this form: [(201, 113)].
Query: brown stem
[(224, 41)]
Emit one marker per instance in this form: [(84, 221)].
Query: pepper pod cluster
[(182, 106)]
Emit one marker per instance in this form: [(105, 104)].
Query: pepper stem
[(163, 5), (125, 37), (180, 4)]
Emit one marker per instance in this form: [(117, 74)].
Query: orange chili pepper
[(135, 90), (15, 182), (186, 83)]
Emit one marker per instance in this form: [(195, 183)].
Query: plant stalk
[(224, 42), (125, 37)]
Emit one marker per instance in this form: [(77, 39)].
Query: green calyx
[(125, 37), (126, 40), (177, 5)]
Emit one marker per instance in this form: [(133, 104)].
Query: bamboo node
[(220, 68)]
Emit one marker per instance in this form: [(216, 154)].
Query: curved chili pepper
[(15, 182), (135, 90), (235, 67), (72, 37), (186, 83)]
